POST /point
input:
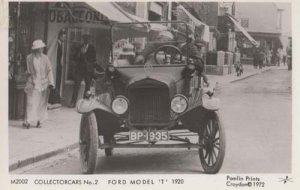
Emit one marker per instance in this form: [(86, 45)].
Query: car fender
[(108, 122), (210, 103), (87, 105)]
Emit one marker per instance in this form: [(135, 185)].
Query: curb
[(251, 75), (34, 159)]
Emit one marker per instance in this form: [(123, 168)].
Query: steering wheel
[(170, 52)]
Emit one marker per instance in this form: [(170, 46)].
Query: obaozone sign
[(75, 14)]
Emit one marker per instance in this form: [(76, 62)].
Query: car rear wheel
[(88, 142), (212, 137)]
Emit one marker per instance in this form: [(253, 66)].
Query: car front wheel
[(88, 143), (212, 138)]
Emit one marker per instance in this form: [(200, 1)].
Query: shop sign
[(78, 14)]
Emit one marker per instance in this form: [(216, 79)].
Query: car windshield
[(137, 43)]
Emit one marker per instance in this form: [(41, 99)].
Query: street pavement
[(256, 114), (58, 134)]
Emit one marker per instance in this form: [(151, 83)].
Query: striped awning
[(243, 30), (184, 15), (110, 10)]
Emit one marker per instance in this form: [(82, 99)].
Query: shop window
[(20, 31), (12, 30), (245, 22), (223, 11), (155, 11), (153, 16)]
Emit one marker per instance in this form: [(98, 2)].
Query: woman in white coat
[(40, 80)]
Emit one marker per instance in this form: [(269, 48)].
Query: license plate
[(156, 135)]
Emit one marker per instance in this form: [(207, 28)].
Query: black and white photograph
[(100, 88)]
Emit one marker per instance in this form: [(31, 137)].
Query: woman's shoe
[(26, 125), (38, 125)]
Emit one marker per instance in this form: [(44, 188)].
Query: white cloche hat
[(37, 44)]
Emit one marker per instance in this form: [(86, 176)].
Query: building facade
[(29, 21), (266, 29)]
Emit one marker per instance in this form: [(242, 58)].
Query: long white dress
[(40, 77)]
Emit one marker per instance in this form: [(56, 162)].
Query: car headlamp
[(179, 103), (120, 105)]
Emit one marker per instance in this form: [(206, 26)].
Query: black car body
[(151, 100)]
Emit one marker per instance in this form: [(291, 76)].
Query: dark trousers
[(58, 77), (54, 97), (81, 75)]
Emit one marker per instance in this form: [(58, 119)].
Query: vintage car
[(149, 101)]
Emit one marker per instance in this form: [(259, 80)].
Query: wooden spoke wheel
[(212, 138), (88, 143)]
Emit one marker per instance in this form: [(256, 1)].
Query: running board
[(187, 145)]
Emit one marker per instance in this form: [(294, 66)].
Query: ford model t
[(146, 99)]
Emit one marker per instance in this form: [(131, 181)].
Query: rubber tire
[(221, 154), (89, 120)]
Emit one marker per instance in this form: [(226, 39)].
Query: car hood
[(169, 75)]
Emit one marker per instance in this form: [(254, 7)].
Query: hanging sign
[(66, 13)]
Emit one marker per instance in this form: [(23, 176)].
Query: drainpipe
[(17, 58), (46, 26)]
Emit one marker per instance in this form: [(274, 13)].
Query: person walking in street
[(280, 56), (55, 97), (277, 57), (261, 59), (39, 81), (268, 57), (284, 57), (256, 58), (86, 61)]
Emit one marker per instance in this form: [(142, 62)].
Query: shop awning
[(154, 26), (242, 29), (114, 12), (110, 10), (196, 22)]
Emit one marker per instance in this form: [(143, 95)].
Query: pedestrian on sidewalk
[(39, 81), (55, 97), (280, 56), (284, 59), (256, 58), (277, 58), (261, 59), (268, 57)]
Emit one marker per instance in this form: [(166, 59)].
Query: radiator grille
[(149, 106)]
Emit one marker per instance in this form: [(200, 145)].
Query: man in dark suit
[(86, 60), (55, 93)]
